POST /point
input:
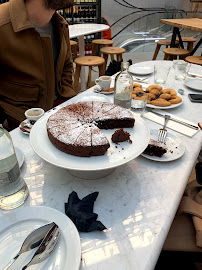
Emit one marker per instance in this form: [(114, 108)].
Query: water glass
[(181, 70), (161, 74), (138, 104)]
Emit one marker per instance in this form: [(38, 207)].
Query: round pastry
[(137, 85), (154, 86), (169, 91), (154, 91), (175, 100), (151, 96), (139, 96), (138, 89), (165, 96), (160, 102)]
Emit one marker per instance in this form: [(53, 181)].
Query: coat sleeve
[(67, 73)]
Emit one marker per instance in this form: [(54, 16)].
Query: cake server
[(46, 247), (176, 120), (32, 241)]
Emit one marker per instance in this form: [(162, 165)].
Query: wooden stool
[(163, 42), (112, 51), (73, 45), (173, 53), (89, 61), (194, 60), (102, 43), (190, 42)]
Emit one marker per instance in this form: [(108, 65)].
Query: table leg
[(196, 47), (176, 32), (81, 53)]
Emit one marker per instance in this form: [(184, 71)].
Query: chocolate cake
[(155, 150), (121, 136), (75, 129)]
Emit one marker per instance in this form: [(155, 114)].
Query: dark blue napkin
[(81, 212)]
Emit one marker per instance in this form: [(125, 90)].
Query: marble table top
[(137, 202), (77, 30)]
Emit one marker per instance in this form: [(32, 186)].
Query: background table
[(194, 24), (79, 31), (137, 202)]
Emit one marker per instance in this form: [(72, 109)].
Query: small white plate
[(140, 69), (20, 156), (16, 226), (90, 97), (195, 84), (97, 90), (175, 147)]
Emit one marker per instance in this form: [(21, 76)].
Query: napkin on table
[(171, 124), (81, 212)]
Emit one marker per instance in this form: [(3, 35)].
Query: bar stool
[(194, 60), (190, 42), (101, 43), (173, 53), (88, 61), (163, 42), (112, 51), (73, 45)]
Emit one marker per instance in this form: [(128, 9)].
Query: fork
[(162, 131), (140, 79)]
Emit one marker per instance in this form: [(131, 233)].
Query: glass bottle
[(13, 189), (123, 87)]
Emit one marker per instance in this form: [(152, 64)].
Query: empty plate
[(140, 69), (195, 84)]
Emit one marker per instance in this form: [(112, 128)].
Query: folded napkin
[(171, 124), (81, 212)]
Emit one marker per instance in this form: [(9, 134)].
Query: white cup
[(104, 82), (34, 114)]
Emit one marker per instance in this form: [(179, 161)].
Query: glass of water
[(161, 74), (138, 103), (181, 69)]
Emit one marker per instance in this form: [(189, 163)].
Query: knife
[(176, 120)]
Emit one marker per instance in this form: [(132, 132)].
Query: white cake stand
[(91, 167)]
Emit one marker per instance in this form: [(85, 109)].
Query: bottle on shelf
[(13, 189), (123, 87)]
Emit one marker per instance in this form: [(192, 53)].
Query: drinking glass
[(181, 69), (161, 74), (138, 104)]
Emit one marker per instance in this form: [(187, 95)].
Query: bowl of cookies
[(158, 97)]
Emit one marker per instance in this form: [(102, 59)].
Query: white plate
[(175, 147), (20, 156), (16, 226), (140, 69), (90, 97), (195, 84), (115, 155), (166, 107)]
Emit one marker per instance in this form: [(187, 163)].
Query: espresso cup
[(104, 82), (34, 114)]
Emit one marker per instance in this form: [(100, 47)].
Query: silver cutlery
[(32, 241), (176, 120), (46, 247), (140, 79), (162, 131)]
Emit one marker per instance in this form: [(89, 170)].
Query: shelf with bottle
[(81, 14), (85, 2)]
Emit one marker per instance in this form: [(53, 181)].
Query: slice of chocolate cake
[(121, 136)]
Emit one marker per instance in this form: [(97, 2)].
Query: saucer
[(25, 127), (98, 89)]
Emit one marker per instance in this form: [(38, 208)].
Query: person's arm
[(66, 77)]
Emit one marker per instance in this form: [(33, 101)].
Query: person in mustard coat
[(35, 57)]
